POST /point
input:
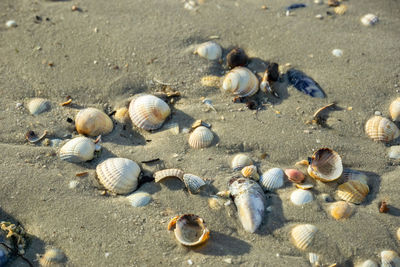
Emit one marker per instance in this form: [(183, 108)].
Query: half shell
[(240, 81), (303, 235), (272, 179), (325, 165), (369, 19), (394, 109), (300, 197), (350, 174), (381, 129), (353, 191), (294, 175), (38, 105), (209, 50), (201, 137), (93, 122), (193, 183), (250, 172), (160, 175), (139, 199), (239, 161), (190, 230), (341, 210), (52, 257), (390, 258), (79, 149)]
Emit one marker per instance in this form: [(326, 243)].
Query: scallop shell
[(300, 197), (148, 112), (239, 161), (381, 129), (353, 191), (303, 235), (294, 175), (394, 152), (201, 137), (122, 115), (38, 105), (390, 258), (240, 81), (272, 179), (369, 19), (118, 175), (139, 199), (350, 174), (52, 257), (394, 109), (193, 183), (250, 172), (367, 263), (190, 230), (160, 175), (79, 149), (326, 165), (341, 210), (93, 122), (209, 50)]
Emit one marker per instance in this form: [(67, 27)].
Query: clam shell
[(367, 263), (353, 191), (390, 258), (236, 57), (272, 179), (239, 161), (341, 210), (190, 230), (394, 109), (160, 175), (300, 197), (369, 19), (326, 165), (381, 129), (79, 149), (350, 174), (240, 81), (93, 122), (250, 172), (148, 112), (303, 235), (118, 175), (38, 105), (201, 137), (139, 199), (394, 152), (294, 175), (193, 183), (209, 50), (52, 257)]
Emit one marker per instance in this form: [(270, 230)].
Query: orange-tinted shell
[(326, 165), (303, 235), (190, 230), (381, 129), (353, 191), (294, 175), (93, 122), (341, 210)]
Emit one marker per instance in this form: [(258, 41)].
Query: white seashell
[(300, 197), (201, 137), (349, 175), (52, 257), (38, 105), (303, 235), (272, 179), (390, 258), (353, 191), (367, 263), (93, 122), (394, 152), (79, 149), (337, 52), (239, 161), (193, 183), (394, 109), (326, 165), (381, 129), (190, 230), (209, 50), (369, 19), (11, 23), (240, 81), (148, 112), (139, 199), (250, 172), (314, 259), (118, 175), (160, 175)]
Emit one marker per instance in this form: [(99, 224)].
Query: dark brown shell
[(273, 71), (236, 57)]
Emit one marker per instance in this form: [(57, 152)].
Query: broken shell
[(304, 186), (93, 122), (118, 175), (239, 161), (33, 138), (122, 115), (209, 50), (390, 258), (394, 152), (398, 234), (236, 57), (38, 105), (340, 10), (350, 174), (326, 165), (201, 137), (51, 257), (78, 149), (303, 235), (250, 172), (367, 263), (381, 129), (294, 175), (215, 202), (353, 191), (369, 19), (240, 81), (394, 109), (314, 259), (190, 230), (193, 183), (160, 175), (272, 179), (341, 210), (300, 197), (139, 199)]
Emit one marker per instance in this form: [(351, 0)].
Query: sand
[(111, 50)]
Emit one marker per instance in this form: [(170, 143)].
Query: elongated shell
[(93, 122), (381, 129), (390, 258), (326, 165), (240, 81), (52, 257), (78, 149), (369, 19), (350, 174), (190, 230), (139, 199), (250, 172), (341, 210), (148, 112), (304, 83), (122, 115), (294, 175), (118, 175), (193, 183), (353, 191), (394, 109), (300, 197), (38, 105), (201, 137), (272, 179), (303, 235), (209, 50), (239, 161), (160, 175)]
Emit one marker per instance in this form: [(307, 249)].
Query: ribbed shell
[(349, 175), (139, 199), (353, 191), (368, 263), (326, 165), (314, 259), (148, 112), (340, 10), (341, 210), (250, 172), (381, 129), (79, 149), (160, 175), (398, 234), (240, 81), (38, 105), (52, 257), (193, 183), (390, 258), (239, 161), (118, 175), (201, 137), (303, 235), (272, 179), (294, 175), (300, 197), (209, 50), (190, 230), (394, 109), (93, 122), (369, 19)]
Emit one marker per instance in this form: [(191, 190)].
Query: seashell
[(250, 172), (394, 109), (250, 202), (349, 175), (353, 191), (198, 123), (304, 186), (11, 24), (398, 234), (93, 122), (394, 152), (367, 263), (369, 19), (314, 259), (303, 235), (38, 105), (190, 230), (326, 165), (272, 179), (193, 183), (305, 84), (236, 57), (52, 257), (79, 149), (148, 112), (381, 129), (209, 50), (337, 52), (341, 210), (300, 197), (201, 137), (139, 199), (294, 175), (215, 202), (33, 138), (340, 10), (239, 161), (390, 258), (240, 81), (122, 115), (160, 175), (118, 175)]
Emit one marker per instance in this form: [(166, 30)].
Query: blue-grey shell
[(305, 84)]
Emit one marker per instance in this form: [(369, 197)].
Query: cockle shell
[(300, 197), (160, 175), (201, 137), (272, 179), (369, 19), (341, 210), (389, 258), (118, 175), (250, 172), (325, 165), (190, 230), (353, 191), (38, 105), (52, 257), (350, 174), (79, 149), (139, 199), (193, 183), (239, 161), (294, 175), (209, 50), (240, 81), (93, 122), (381, 129), (394, 109), (303, 235)]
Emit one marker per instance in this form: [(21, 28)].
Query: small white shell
[(272, 179), (93, 122), (240, 81), (303, 235), (350, 174), (390, 258), (38, 105), (139, 199), (201, 137), (239, 161), (394, 109), (52, 257), (381, 129), (118, 175), (160, 175), (193, 183), (11, 23), (209, 50), (369, 19), (314, 259), (79, 149), (367, 263), (250, 172), (337, 52), (300, 197), (394, 152)]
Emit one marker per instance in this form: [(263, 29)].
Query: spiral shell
[(353, 191), (190, 230), (201, 137), (93, 122), (326, 165), (341, 210), (369, 19), (239, 161), (160, 175), (139, 199), (118, 175), (350, 174), (209, 50), (390, 258), (303, 235), (300, 197), (79, 149), (394, 109), (38, 105), (250, 172), (272, 179), (148, 112), (294, 175), (52, 257), (193, 183), (381, 129), (240, 81)]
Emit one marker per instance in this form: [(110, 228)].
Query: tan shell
[(52, 257), (240, 81), (190, 230), (215, 202), (394, 109), (122, 115), (193, 183), (390, 258), (381, 129), (167, 173), (398, 234), (38, 105), (350, 174), (303, 235), (341, 210), (250, 172), (201, 137), (239, 161), (294, 175), (209, 50), (93, 122), (340, 10), (79, 149), (300, 197), (353, 191), (326, 165)]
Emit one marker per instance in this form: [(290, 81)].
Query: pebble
[(319, 2), (319, 16), (337, 52), (18, 105), (11, 23), (73, 184), (190, 262), (378, 113)]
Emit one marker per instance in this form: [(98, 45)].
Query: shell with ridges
[(294, 175), (139, 199), (190, 230), (51, 257), (326, 165), (209, 50), (341, 210), (38, 105), (78, 149), (193, 183), (240, 81), (239, 161), (93, 122), (201, 137), (303, 235), (300, 197), (314, 259), (166, 173), (381, 129), (394, 109), (250, 172), (272, 179), (353, 191), (350, 174), (369, 19), (390, 258)]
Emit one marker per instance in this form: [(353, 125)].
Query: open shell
[(93, 122), (201, 137), (272, 179), (240, 81), (239, 161), (193, 183), (394, 109), (341, 210), (52, 257), (167, 173), (209, 50), (300, 197), (303, 235), (250, 172), (294, 175), (326, 165), (353, 191), (190, 230), (38, 105), (381, 129), (390, 258), (79, 149)]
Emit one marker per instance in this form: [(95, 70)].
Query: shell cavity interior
[(326, 165), (190, 230)]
